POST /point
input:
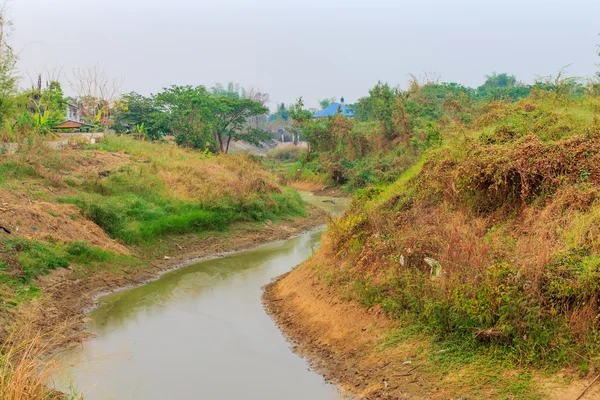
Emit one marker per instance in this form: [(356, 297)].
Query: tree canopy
[(198, 117)]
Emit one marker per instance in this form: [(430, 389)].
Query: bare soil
[(342, 340), (40, 220), (338, 337)]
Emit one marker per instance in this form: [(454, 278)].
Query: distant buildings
[(334, 109), (74, 121)]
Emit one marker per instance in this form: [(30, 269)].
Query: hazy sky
[(309, 48)]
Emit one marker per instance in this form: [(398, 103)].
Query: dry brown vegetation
[(491, 244), (77, 221)]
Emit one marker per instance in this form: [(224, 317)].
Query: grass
[(510, 211), (25, 369), (141, 194), (23, 260), (466, 371)]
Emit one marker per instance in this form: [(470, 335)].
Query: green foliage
[(285, 154), (484, 204), (15, 171), (204, 120), (134, 110), (8, 70), (137, 209), (324, 103), (23, 260)]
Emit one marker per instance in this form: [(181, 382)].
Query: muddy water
[(198, 333)]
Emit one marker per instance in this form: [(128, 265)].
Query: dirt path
[(68, 296)]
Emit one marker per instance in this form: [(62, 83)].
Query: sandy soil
[(341, 340), (338, 338), (40, 220)]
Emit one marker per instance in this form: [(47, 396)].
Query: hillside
[(484, 255), (93, 218)]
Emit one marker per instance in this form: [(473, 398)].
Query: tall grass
[(492, 240), (25, 368)]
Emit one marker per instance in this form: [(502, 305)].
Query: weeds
[(509, 211), (25, 369)]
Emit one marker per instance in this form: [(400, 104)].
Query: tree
[(302, 123), (186, 111), (384, 104), (8, 62), (326, 102), (133, 111), (53, 103), (201, 120), (233, 90), (96, 93), (502, 87), (261, 98), (503, 80), (231, 122)]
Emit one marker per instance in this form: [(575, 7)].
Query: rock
[(166, 258)]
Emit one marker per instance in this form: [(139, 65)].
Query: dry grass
[(511, 212), (190, 175), (25, 368)]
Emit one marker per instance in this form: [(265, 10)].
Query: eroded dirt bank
[(68, 295), (339, 337), (342, 340)]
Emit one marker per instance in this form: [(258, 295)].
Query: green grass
[(137, 209), (23, 260), (475, 372), (12, 170)]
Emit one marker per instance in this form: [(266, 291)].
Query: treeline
[(197, 117), (393, 127)]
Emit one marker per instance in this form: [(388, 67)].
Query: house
[(74, 121), (74, 125), (335, 108), (73, 112)]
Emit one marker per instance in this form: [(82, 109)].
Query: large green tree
[(204, 119), (186, 111), (140, 113), (231, 117)]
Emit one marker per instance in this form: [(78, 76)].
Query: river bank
[(339, 337), (69, 296), (354, 348)]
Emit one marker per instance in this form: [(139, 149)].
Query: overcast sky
[(309, 48)]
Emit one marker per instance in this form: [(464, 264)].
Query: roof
[(71, 125), (333, 110)]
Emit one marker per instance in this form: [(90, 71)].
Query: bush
[(285, 154)]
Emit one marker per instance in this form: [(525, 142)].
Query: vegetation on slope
[(392, 127), (137, 192), (491, 241)]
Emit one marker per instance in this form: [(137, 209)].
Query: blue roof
[(333, 110)]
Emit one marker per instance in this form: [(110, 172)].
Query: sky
[(311, 48)]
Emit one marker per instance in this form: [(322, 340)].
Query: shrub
[(285, 154)]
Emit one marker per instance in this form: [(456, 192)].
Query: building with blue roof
[(335, 108)]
